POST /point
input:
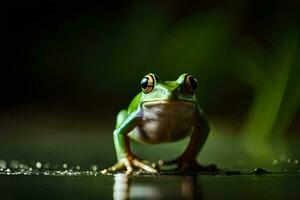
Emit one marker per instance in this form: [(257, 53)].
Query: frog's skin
[(165, 111)]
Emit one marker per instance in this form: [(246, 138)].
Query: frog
[(163, 112)]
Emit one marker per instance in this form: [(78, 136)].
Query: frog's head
[(154, 89)]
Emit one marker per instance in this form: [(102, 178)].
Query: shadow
[(183, 187)]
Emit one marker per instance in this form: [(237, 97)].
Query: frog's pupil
[(193, 83), (144, 83)]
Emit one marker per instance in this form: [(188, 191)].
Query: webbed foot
[(129, 164), (186, 165)]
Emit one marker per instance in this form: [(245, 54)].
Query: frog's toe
[(194, 166), (189, 166), (144, 166), (210, 168), (128, 165), (168, 162), (118, 166)]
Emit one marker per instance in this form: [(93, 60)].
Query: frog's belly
[(165, 121)]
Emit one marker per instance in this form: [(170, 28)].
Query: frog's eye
[(147, 83), (191, 83)]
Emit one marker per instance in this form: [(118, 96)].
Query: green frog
[(164, 111)]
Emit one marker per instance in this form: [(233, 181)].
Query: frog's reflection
[(164, 187)]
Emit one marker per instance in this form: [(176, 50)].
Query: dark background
[(77, 52)]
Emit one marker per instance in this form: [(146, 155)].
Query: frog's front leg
[(188, 160), (126, 160)]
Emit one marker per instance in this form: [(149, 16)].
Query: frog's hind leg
[(188, 160)]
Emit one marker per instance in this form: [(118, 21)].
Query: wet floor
[(93, 185)]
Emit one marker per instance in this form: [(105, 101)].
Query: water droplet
[(65, 166), (7, 170), (282, 157), (77, 167), (38, 165), (46, 165), (288, 160), (260, 171), (14, 164), (296, 162), (275, 161), (94, 167), (2, 164)]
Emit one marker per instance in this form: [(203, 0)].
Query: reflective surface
[(185, 187), (121, 186)]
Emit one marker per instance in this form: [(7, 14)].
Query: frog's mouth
[(167, 102)]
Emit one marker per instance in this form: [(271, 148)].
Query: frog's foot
[(129, 164), (184, 165)]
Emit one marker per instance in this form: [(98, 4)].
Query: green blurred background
[(69, 68)]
